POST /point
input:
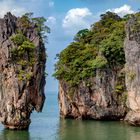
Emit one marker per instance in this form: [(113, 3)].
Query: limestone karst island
[(99, 71), (98, 76), (22, 69)]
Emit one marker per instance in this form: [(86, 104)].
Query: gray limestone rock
[(132, 68), (19, 97), (98, 101)]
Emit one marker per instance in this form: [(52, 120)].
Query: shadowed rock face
[(132, 55), (19, 97), (97, 101)]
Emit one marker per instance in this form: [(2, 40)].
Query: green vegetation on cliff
[(93, 49), (23, 53), (22, 47), (23, 50), (27, 21)]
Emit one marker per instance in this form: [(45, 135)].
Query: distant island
[(99, 72), (22, 68)]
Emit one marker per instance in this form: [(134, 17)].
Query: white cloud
[(77, 19), (123, 10), (51, 4), (10, 6), (51, 20)]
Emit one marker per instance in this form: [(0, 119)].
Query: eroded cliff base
[(19, 126), (90, 103)]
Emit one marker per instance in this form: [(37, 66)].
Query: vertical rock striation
[(21, 84), (132, 55), (95, 98)]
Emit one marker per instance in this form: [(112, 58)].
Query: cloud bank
[(76, 19), (123, 10), (10, 5)]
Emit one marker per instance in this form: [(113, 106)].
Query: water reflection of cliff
[(97, 130), (14, 135)]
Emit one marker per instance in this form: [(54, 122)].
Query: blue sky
[(65, 18)]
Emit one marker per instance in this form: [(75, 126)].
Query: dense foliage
[(23, 49), (42, 29), (22, 54), (93, 49)]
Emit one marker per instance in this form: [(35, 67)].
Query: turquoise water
[(48, 126)]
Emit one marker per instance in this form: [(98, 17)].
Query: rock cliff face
[(110, 94), (97, 99), (91, 72), (21, 83), (132, 55)]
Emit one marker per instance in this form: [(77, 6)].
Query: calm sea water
[(48, 126)]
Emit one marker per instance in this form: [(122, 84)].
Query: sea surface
[(48, 126)]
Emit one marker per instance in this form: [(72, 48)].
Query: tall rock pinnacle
[(22, 66)]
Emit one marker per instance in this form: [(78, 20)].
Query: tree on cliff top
[(93, 49), (39, 22)]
